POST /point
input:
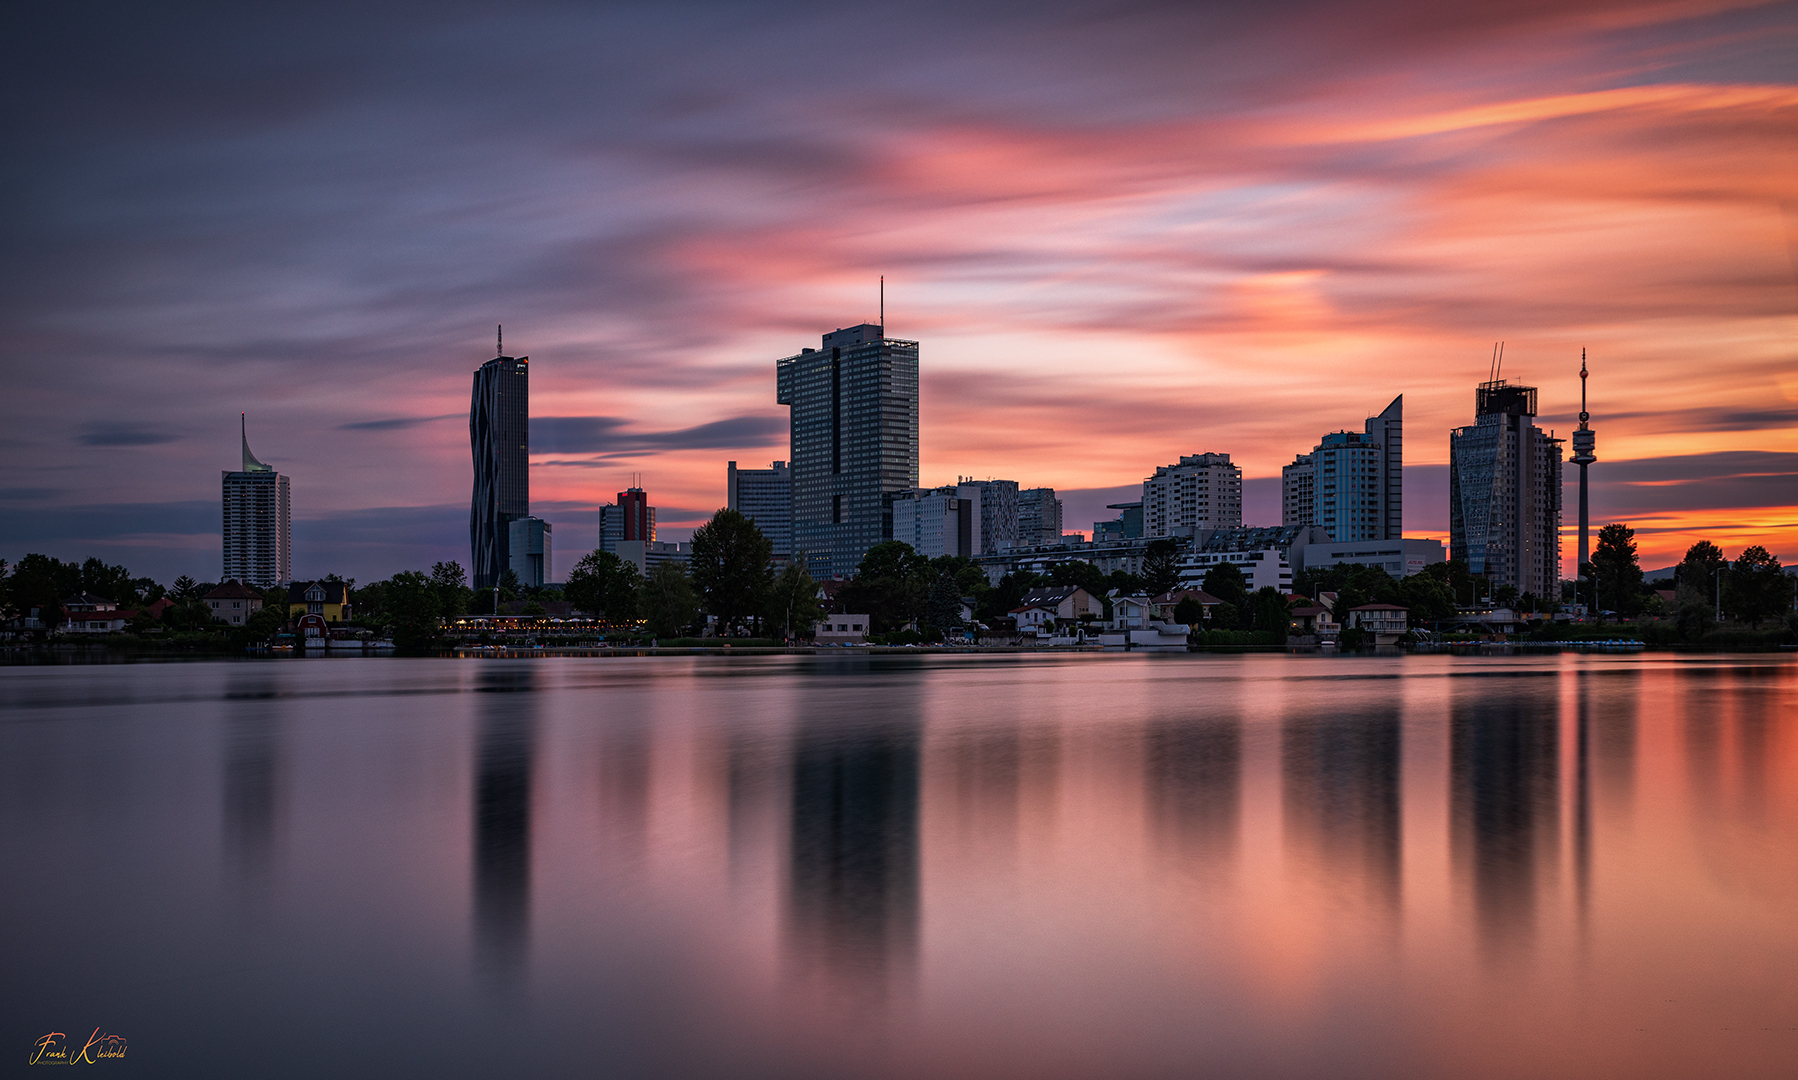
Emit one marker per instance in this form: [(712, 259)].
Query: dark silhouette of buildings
[(502, 826), (1504, 492), (500, 439)]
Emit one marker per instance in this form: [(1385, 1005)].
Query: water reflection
[(1504, 777), (1340, 799), (1193, 773), (502, 825), (251, 787), (852, 904)]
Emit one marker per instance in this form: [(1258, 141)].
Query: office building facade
[(764, 496), (500, 439), (1039, 517), (258, 523), (1200, 491), (938, 521), (853, 425), (1504, 491), (529, 546)]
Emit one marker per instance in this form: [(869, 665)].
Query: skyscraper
[(1200, 491), (499, 435), (258, 517), (1356, 481), (939, 521), (1039, 517), (764, 496), (1504, 492), (854, 433), (639, 516), (998, 513)]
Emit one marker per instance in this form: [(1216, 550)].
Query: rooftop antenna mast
[(883, 305), (500, 332)]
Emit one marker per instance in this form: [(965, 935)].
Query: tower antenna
[(1501, 363), (500, 333), (883, 305)]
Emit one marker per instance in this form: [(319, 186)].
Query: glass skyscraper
[(1352, 485), (854, 432), (1504, 493), (499, 435), (258, 523)]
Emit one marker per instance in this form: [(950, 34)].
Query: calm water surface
[(1082, 866)]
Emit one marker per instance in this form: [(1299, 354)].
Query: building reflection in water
[(1504, 775), (852, 897), (252, 791), (502, 825), (1193, 773), (1604, 761), (1341, 801)]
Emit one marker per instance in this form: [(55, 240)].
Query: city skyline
[(1151, 252)]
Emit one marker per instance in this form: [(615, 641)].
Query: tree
[(1226, 582), (1619, 577), (1269, 613), (943, 609), (1190, 612), (412, 602), (667, 600), (891, 585), (1161, 566), (1428, 596), (1758, 587), (1006, 596), (793, 601), (730, 568), (184, 588), (1698, 577), (603, 584), (451, 583)]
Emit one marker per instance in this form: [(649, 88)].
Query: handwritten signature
[(52, 1050)]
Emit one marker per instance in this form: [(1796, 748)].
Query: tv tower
[(1584, 440)]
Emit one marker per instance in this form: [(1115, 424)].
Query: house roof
[(233, 590), (87, 599), (1174, 596), (1050, 597), (334, 591), (1309, 612)]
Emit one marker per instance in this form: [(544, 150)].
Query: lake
[(890, 866)]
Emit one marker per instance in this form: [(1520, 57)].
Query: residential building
[(258, 521), (329, 600), (842, 629), (998, 512), (1356, 482), (1200, 491), (500, 439), (765, 497), (233, 602), (937, 521), (85, 613), (1066, 603), (529, 547), (1039, 517), (1164, 606), (1386, 623), (1504, 492), (854, 439), (1298, 486)]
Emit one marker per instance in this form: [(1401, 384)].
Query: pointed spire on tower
[(250, 464)]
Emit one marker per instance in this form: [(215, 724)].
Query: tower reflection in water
[(1504, 777), (252, 786), (852, 897), (1193, 772), (502, 826), (1341, 800)]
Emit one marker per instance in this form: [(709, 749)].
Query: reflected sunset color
[(870, 866)]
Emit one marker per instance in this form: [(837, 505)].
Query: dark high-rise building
[(854, 430), (639, 516), (1298, 488), (499, 433), (1504, 492), (258, 531), (765, 497), (1353, 481)]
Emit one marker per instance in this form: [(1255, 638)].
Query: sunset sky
[(1121, 233)]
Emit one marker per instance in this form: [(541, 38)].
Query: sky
[(1121, 233)]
